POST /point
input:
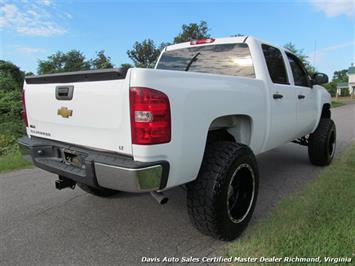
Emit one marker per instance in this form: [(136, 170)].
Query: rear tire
[(322, 143), (221, 200), (100, 192)]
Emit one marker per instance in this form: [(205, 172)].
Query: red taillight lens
[(202, 41), (150, 116), (24, 113)]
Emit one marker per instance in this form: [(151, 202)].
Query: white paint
[(101, 111)]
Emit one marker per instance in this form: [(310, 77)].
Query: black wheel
[(221, 200), (322, 143), (100, 192)]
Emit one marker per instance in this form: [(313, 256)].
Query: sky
[(31, 30)]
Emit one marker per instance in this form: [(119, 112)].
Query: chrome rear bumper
[(128, 179)]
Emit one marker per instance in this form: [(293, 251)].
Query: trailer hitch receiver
[(64, 182)]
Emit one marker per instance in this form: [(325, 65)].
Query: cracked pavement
[(40, 225)]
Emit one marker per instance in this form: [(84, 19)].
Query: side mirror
[(319, 79)]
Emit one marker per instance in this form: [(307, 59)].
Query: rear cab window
[(275, 64), (226, 59)]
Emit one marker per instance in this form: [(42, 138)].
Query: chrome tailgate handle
[(64, 93)]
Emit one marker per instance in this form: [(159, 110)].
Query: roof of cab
[(239, 39)]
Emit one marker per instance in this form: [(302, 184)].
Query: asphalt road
[(40, 225)]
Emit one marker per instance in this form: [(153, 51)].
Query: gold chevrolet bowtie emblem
[(65, 112)]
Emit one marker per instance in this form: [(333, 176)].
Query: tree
[(304, 58), (11, 126), (144, 54), (341, 76), (101, 61), (11, 77), (193, 31), (125, 67), (73, 60), (163, 45), (331, 88)]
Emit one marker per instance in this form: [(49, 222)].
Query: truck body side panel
[(196, 100)]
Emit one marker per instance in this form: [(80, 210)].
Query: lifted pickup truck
[(198, 119)]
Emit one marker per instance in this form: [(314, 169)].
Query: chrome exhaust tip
[(159, 197)]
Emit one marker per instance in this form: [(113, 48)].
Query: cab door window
[(299, 72), (275, 64)]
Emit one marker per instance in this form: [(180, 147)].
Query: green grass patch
[(13, 161), (336, 104), (318, 221)]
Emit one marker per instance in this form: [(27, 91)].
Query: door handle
[(301, 96), (277, 96)]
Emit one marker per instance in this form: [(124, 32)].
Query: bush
[(7, 144), (331, 88)]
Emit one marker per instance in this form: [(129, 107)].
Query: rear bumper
[(97, 168)]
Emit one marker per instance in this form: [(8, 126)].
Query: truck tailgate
[(96, 116)]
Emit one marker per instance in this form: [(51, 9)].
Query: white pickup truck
[(198, 119)]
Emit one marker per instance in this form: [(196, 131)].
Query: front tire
[(221, 200), (99, 192), (322, 143)]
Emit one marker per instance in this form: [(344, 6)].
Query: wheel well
[(326, 113), (236, 128), (219, 135)]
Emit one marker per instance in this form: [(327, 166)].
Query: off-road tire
[(322, 143), (100, 192), (207, 195)]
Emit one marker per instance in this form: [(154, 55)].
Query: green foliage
[(12, 74), (193, 31), (125, 67), (27, 74), (73, 60), (336, 104), (331, 88), (11, 125), (345, 93), (7, 144), (341, 76), (144, 54), (304, 58), (8, 84), (13, 160), (163, 45), (101, 61)]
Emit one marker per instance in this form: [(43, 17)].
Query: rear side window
[(226, 59), (299, 73), (275, 64)]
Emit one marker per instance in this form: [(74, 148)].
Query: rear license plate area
[(72, 158)]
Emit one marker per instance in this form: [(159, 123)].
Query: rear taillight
[(202, 41), (24, 113), (150, 116)]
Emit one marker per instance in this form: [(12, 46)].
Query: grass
[(343, 98), (336, 104), (13, 161), (318, 221)]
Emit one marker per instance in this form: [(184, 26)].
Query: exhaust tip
[(160, 197)]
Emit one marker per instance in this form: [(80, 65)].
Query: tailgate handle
[(64, 93)]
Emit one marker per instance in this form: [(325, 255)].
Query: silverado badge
[(65, 112)]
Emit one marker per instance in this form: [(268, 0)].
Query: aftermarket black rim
[(241, 192)]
